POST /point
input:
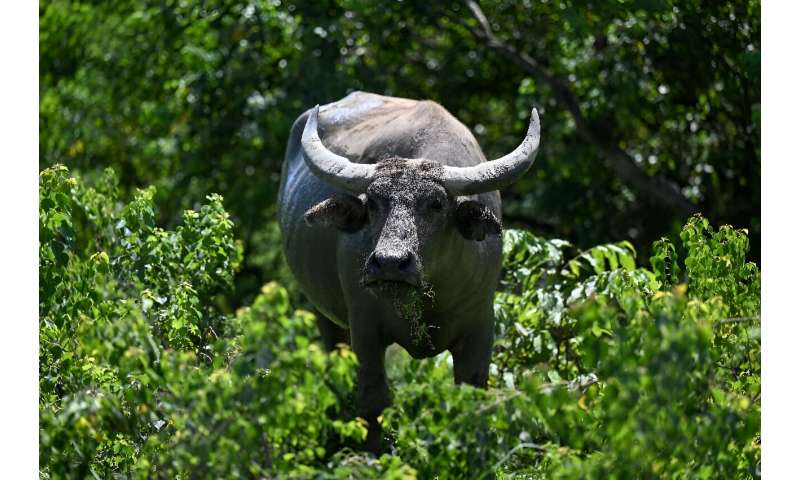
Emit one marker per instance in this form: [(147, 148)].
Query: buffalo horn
[(330, 167), (495, 174)]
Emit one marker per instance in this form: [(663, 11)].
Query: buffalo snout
[(398, 266)]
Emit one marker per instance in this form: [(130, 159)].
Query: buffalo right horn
[(496, 174), (330, 167)]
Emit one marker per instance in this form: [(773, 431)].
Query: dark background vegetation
[(650, 108)]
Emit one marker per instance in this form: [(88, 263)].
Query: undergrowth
[(600, 369)]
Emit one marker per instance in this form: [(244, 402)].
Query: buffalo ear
[(345, 212), (475, 220)]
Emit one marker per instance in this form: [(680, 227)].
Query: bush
[(603, 370), (600, 370), (140, 373)]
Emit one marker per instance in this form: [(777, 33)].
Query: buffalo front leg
[(472, 355), (372, 394), (331, 333)]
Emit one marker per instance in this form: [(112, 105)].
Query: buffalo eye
[(475, 220), (434, 205)]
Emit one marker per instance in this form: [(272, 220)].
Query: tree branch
[(658, 190), (738, 320), (518, 447)]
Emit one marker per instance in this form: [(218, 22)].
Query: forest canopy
[(175, 344)]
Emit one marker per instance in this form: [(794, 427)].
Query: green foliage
[(600, 369), (141, 374)]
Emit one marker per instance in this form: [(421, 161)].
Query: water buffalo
[(391, 224)]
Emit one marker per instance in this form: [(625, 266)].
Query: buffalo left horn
[(495, 174), (330, 167)]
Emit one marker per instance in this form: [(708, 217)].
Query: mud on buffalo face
[(406, 215)]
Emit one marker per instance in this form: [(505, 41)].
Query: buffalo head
[(409, 208)]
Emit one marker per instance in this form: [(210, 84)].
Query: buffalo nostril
[(406, 263), (373, 264), (391, 262)]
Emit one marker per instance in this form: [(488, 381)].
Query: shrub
[(600, 369), (141, 374), (604, 370)]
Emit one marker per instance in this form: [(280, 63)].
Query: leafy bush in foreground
[(600, 369), (141, 374)]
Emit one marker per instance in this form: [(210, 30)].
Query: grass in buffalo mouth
[(408, 304), (408, 301)]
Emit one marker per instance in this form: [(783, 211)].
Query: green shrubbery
[(601, 369), (139, 370)]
